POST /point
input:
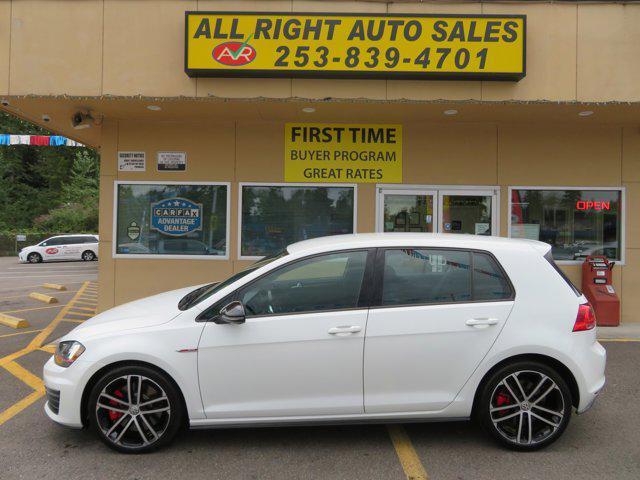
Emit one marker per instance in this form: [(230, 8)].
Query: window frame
[(241, 186), (378, 277), (114, 232), (364, 298), (623, 213)]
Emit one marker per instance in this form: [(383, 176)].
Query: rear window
[(549, 259)]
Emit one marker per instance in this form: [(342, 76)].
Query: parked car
[(62, 248), (370, 327)]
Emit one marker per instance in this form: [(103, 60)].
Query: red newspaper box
[(596, 286)]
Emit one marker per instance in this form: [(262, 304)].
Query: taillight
[(586, 319)]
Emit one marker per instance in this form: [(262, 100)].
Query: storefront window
[(275, 216), (576, 223), (171, 219)]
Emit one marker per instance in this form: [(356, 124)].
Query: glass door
[(468, 211), (406, 210)]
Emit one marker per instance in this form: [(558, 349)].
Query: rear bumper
[(592, 365)]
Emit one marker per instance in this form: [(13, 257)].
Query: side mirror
[(232, 313)]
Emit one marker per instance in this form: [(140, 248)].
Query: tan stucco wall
[(434, 154), (575, 52)]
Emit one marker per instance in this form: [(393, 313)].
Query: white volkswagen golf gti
[(357, 328)]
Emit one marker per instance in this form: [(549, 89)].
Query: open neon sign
[(589, 205)]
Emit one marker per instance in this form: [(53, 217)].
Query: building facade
[(204, 170)]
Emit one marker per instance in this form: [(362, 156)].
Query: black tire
[(517, 423), (34, 257), (88, 256), (102, 419)]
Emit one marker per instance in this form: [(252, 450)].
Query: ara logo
[(234, 54)]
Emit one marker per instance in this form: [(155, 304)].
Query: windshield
[(202, 293)]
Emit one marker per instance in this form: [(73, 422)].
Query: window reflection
[(275, 216), (576, 223)]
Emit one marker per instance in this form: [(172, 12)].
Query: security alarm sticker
[(176, 216), (343, 153), (172, 161), (281, 44), (132, 161), (133, 231)]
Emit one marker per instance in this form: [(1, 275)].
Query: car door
[(299, 352), (73, 247), (437, 313), (51, 249)]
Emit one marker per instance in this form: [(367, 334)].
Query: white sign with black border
[(132, 161), (172, 161)]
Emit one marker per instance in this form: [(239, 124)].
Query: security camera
[(46, 118), (5, 102), (81, 120)]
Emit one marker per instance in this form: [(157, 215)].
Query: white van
[(62, 248)]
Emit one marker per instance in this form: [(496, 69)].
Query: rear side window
[(429, 276), (549, 258), (426, 276), (489, 283)]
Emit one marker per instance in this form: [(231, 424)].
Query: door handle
[(344, 330), (481, 322)]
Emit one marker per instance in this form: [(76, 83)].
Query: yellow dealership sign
[(342, 153), (490, 47)]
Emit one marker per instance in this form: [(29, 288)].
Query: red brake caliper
[(113, 415), (502, 399)]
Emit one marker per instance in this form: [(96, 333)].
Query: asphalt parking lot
[(603, 443)]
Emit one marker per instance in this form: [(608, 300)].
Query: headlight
[(68, 352)]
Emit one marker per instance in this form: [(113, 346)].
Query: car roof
[(396, 239)]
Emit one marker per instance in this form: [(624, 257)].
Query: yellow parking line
[(75, 307), (42, 336), (19, 333), (25, 375), (49, 349), (72, 320), (82, 314), (413, 468), (631, 340), (16, 408), (10, 358)]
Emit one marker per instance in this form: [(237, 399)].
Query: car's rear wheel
[(525, 406), (135, 409), (88, 256), (34, 257)]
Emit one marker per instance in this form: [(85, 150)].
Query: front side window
[(576, 223), (276, 216), (320, 283), (171, 219), (413, 277)]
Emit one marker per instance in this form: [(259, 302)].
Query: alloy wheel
[(133, 411), (33, 258), (527, 407), (87, 256)]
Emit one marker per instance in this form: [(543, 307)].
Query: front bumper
[(22, 257), (69, 384)]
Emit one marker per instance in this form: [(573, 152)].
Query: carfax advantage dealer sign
[(490, 47)]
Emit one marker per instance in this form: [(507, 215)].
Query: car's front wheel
[(34, 257), (525, 406), (135, 409)]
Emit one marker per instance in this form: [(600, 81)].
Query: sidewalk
[(624, 331)]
